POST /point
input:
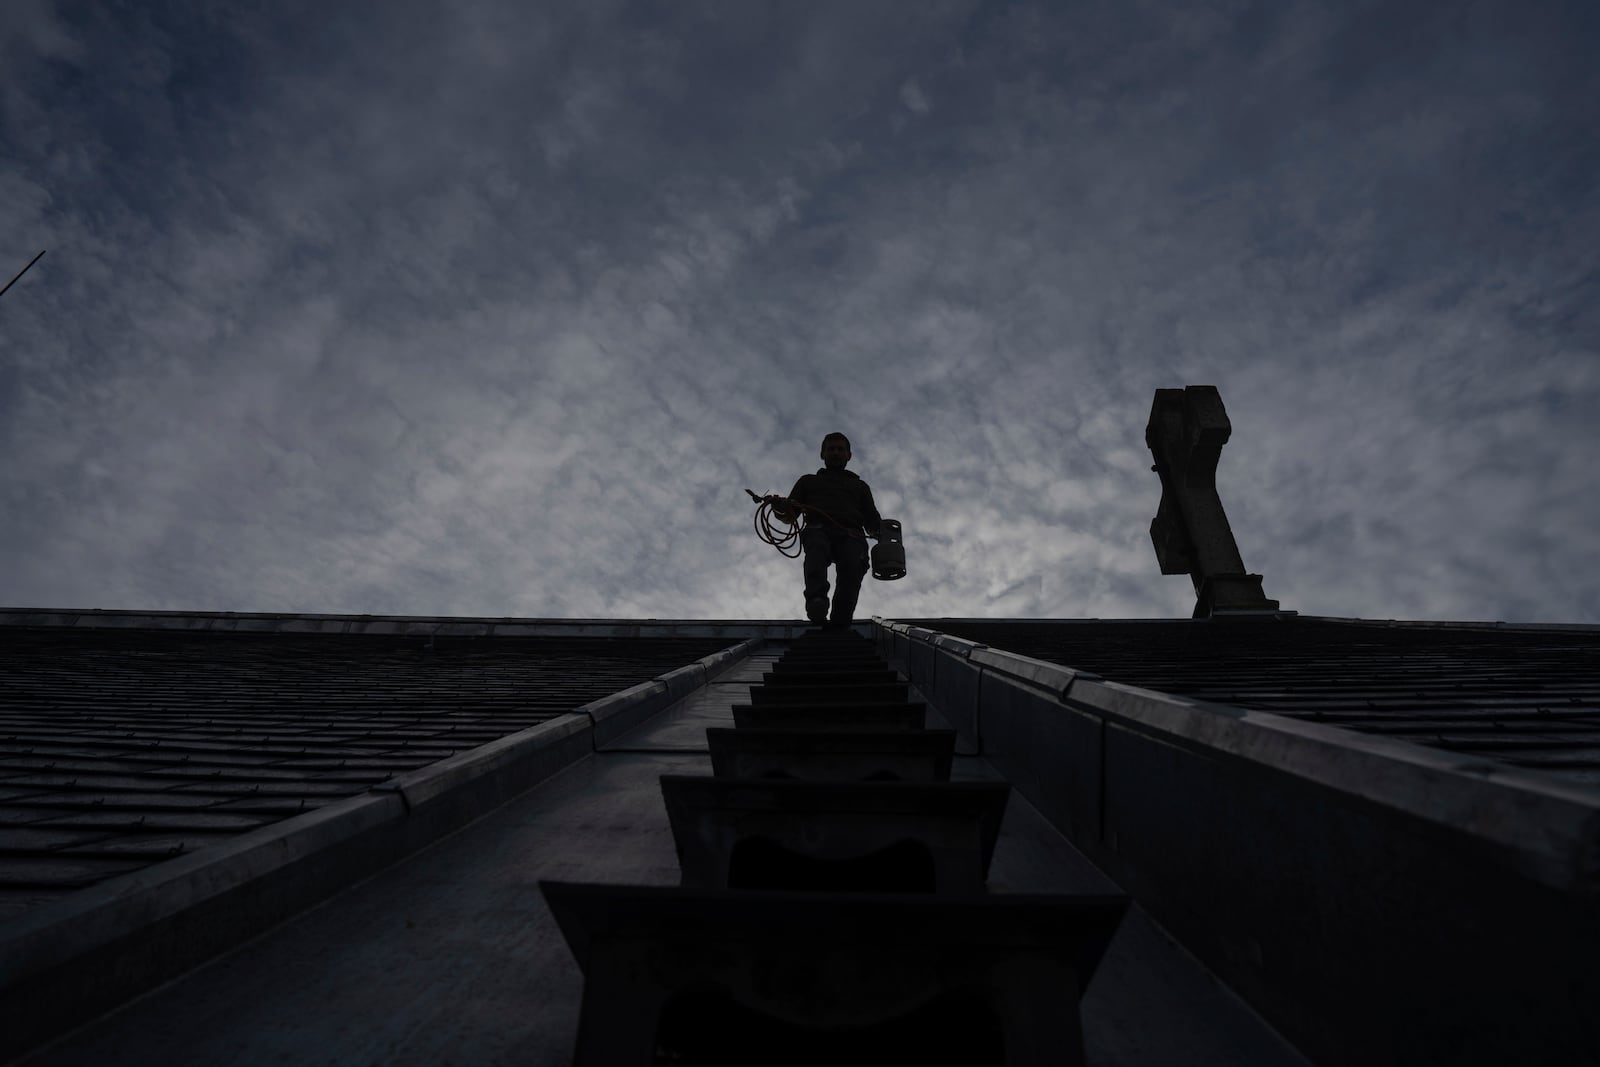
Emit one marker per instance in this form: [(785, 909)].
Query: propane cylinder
[(888, 555)]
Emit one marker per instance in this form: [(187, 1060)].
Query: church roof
[(178, 781), (127, 739), (1525, 696)]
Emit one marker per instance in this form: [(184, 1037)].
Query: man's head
[(836, 451)]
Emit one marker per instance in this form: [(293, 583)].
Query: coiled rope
[(784, 534), (768, 529)]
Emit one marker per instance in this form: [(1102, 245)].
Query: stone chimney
[(1186, 432)]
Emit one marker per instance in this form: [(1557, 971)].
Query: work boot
[(817, 609)]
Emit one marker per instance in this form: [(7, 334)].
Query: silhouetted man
[(837, 507)]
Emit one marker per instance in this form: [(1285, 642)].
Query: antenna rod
[(23, 271)]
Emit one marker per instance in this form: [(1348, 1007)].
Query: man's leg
[(851, 562), (819, 553)]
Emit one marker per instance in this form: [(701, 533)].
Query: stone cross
[(1186, 432)]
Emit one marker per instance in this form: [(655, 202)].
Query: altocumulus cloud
[(495, 309)]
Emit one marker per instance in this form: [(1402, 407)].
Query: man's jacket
[(839, 495)]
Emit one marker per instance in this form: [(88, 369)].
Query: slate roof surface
[(1528, 696), (120, 748)]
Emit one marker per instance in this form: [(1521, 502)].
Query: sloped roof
[(1145, 802), (1524, 695), (123, 747)]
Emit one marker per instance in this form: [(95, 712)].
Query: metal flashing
[(1423, 884), (1525, 697), (438, 780), (1547, 830)]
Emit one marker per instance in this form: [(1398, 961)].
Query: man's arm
[(797, 495), (870, 519)]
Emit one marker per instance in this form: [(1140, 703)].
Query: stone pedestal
[(797, 978)]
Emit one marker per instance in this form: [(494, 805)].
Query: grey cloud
[(497, 310)]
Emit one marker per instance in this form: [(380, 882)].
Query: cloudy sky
[(484, 307)]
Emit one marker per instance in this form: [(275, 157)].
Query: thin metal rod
[(23, 271)]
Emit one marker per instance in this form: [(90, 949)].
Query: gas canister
[(889, 554)]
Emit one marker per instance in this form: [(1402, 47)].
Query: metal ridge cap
[(200, 613), (959, 646), (1281, 615), (721, 660), (169, 619), (926, 622), (436, 780), (622, 700), (1055, 678), (1551, 826), (664, 689), (1459, 624), (385, 625)]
